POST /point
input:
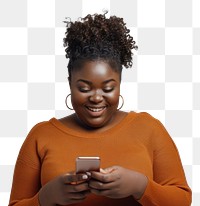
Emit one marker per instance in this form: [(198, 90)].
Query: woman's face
[(95, 89)]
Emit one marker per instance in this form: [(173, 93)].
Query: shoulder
[(150, 121), (37, 138), (145, 123), (143, 118), (39, 132), (159, 135), (44, 126)]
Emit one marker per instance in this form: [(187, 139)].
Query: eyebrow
[(90, 83)]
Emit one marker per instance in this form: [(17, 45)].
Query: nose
[(96, 97)]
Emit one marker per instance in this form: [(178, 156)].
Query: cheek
[(113, 98), (77, 99)]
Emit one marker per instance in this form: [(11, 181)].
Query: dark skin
[(96, 85), (63, 190), (95, 90)]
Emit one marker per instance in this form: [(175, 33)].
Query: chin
[(95, 124)]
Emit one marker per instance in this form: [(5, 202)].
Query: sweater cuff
[(148, 194), (34, 201)]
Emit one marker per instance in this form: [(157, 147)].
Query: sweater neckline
[(59, 125)]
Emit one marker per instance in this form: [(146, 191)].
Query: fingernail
[(84, 177), (88, 173)]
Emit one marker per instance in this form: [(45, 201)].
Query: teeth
[(95, 109)]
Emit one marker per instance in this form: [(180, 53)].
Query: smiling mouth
[(96, 109)]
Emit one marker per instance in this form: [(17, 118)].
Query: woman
[(141, 163)]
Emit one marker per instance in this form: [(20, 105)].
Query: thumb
[(70, 178), (108, 169)]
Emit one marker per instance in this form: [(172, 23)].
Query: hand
[(64, 190), (118, 182)]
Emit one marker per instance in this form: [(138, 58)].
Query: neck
[(116, 118)]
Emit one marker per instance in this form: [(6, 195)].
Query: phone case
[(85, 164)]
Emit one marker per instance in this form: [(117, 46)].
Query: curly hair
[(97, 37)]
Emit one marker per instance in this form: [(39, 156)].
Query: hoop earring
[(122, 102), (66, 102)]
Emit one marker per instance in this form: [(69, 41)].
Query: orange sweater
[(139, 142)]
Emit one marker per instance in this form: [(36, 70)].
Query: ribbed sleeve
[(26, 202), (157, 195)]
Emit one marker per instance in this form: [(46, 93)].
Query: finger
[(97, 192), (108, 177), (103, 171), (102, 186), (76, 188), (108, 169), (77, 196), (106, 193), (69, 178)]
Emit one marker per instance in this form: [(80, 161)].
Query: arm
[(27, 189), (169, 186), (26, 179), (26, 184)]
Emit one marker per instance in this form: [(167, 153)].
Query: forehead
[(95, 70)]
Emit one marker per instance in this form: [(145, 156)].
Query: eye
[(108, 89), (84, 89)]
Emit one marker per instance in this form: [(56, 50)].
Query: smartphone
[(85, 164)]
